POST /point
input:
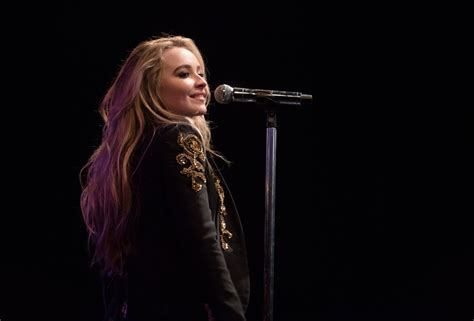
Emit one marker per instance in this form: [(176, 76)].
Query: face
[(183, 89)]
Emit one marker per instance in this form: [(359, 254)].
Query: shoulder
[(180, 150), (176, 139), (176, 132)]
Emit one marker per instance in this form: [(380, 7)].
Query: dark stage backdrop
[(374, 180)]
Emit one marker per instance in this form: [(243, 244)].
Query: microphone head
[(223, 94)]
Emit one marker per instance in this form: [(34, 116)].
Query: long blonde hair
[(129, 106)]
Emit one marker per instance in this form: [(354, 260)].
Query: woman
[(164, 228)]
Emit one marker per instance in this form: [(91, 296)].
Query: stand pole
[(269, 239)]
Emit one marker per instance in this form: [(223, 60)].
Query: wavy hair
[(129, 106)]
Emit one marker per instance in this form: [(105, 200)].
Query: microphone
[(225, 94)]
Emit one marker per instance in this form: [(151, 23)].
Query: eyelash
[(185, 74)]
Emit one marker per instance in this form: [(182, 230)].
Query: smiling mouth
[(200, 97)]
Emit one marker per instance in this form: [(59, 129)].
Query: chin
[(201, 111)]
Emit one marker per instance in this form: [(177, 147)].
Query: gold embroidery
[(225, 233), (192, 160)]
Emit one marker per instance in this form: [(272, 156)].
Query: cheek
[(170, 95)]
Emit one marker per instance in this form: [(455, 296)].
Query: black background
[(374, 180)]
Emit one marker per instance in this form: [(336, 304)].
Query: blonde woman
[(162, 224)]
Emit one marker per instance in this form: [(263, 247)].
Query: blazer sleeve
[(184, 174)]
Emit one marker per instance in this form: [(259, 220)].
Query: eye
[(183, 74), (202, 75)]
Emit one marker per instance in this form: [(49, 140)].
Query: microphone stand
[(271, 107), (269, 238), (278, 100)]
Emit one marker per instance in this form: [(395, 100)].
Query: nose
[(200, 81)]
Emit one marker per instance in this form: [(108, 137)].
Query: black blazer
[(184, 266)]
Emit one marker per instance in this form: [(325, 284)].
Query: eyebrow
[(187, 66)]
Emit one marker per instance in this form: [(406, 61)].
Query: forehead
[(177, 56)]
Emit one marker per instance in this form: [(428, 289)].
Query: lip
[(201, 97)]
